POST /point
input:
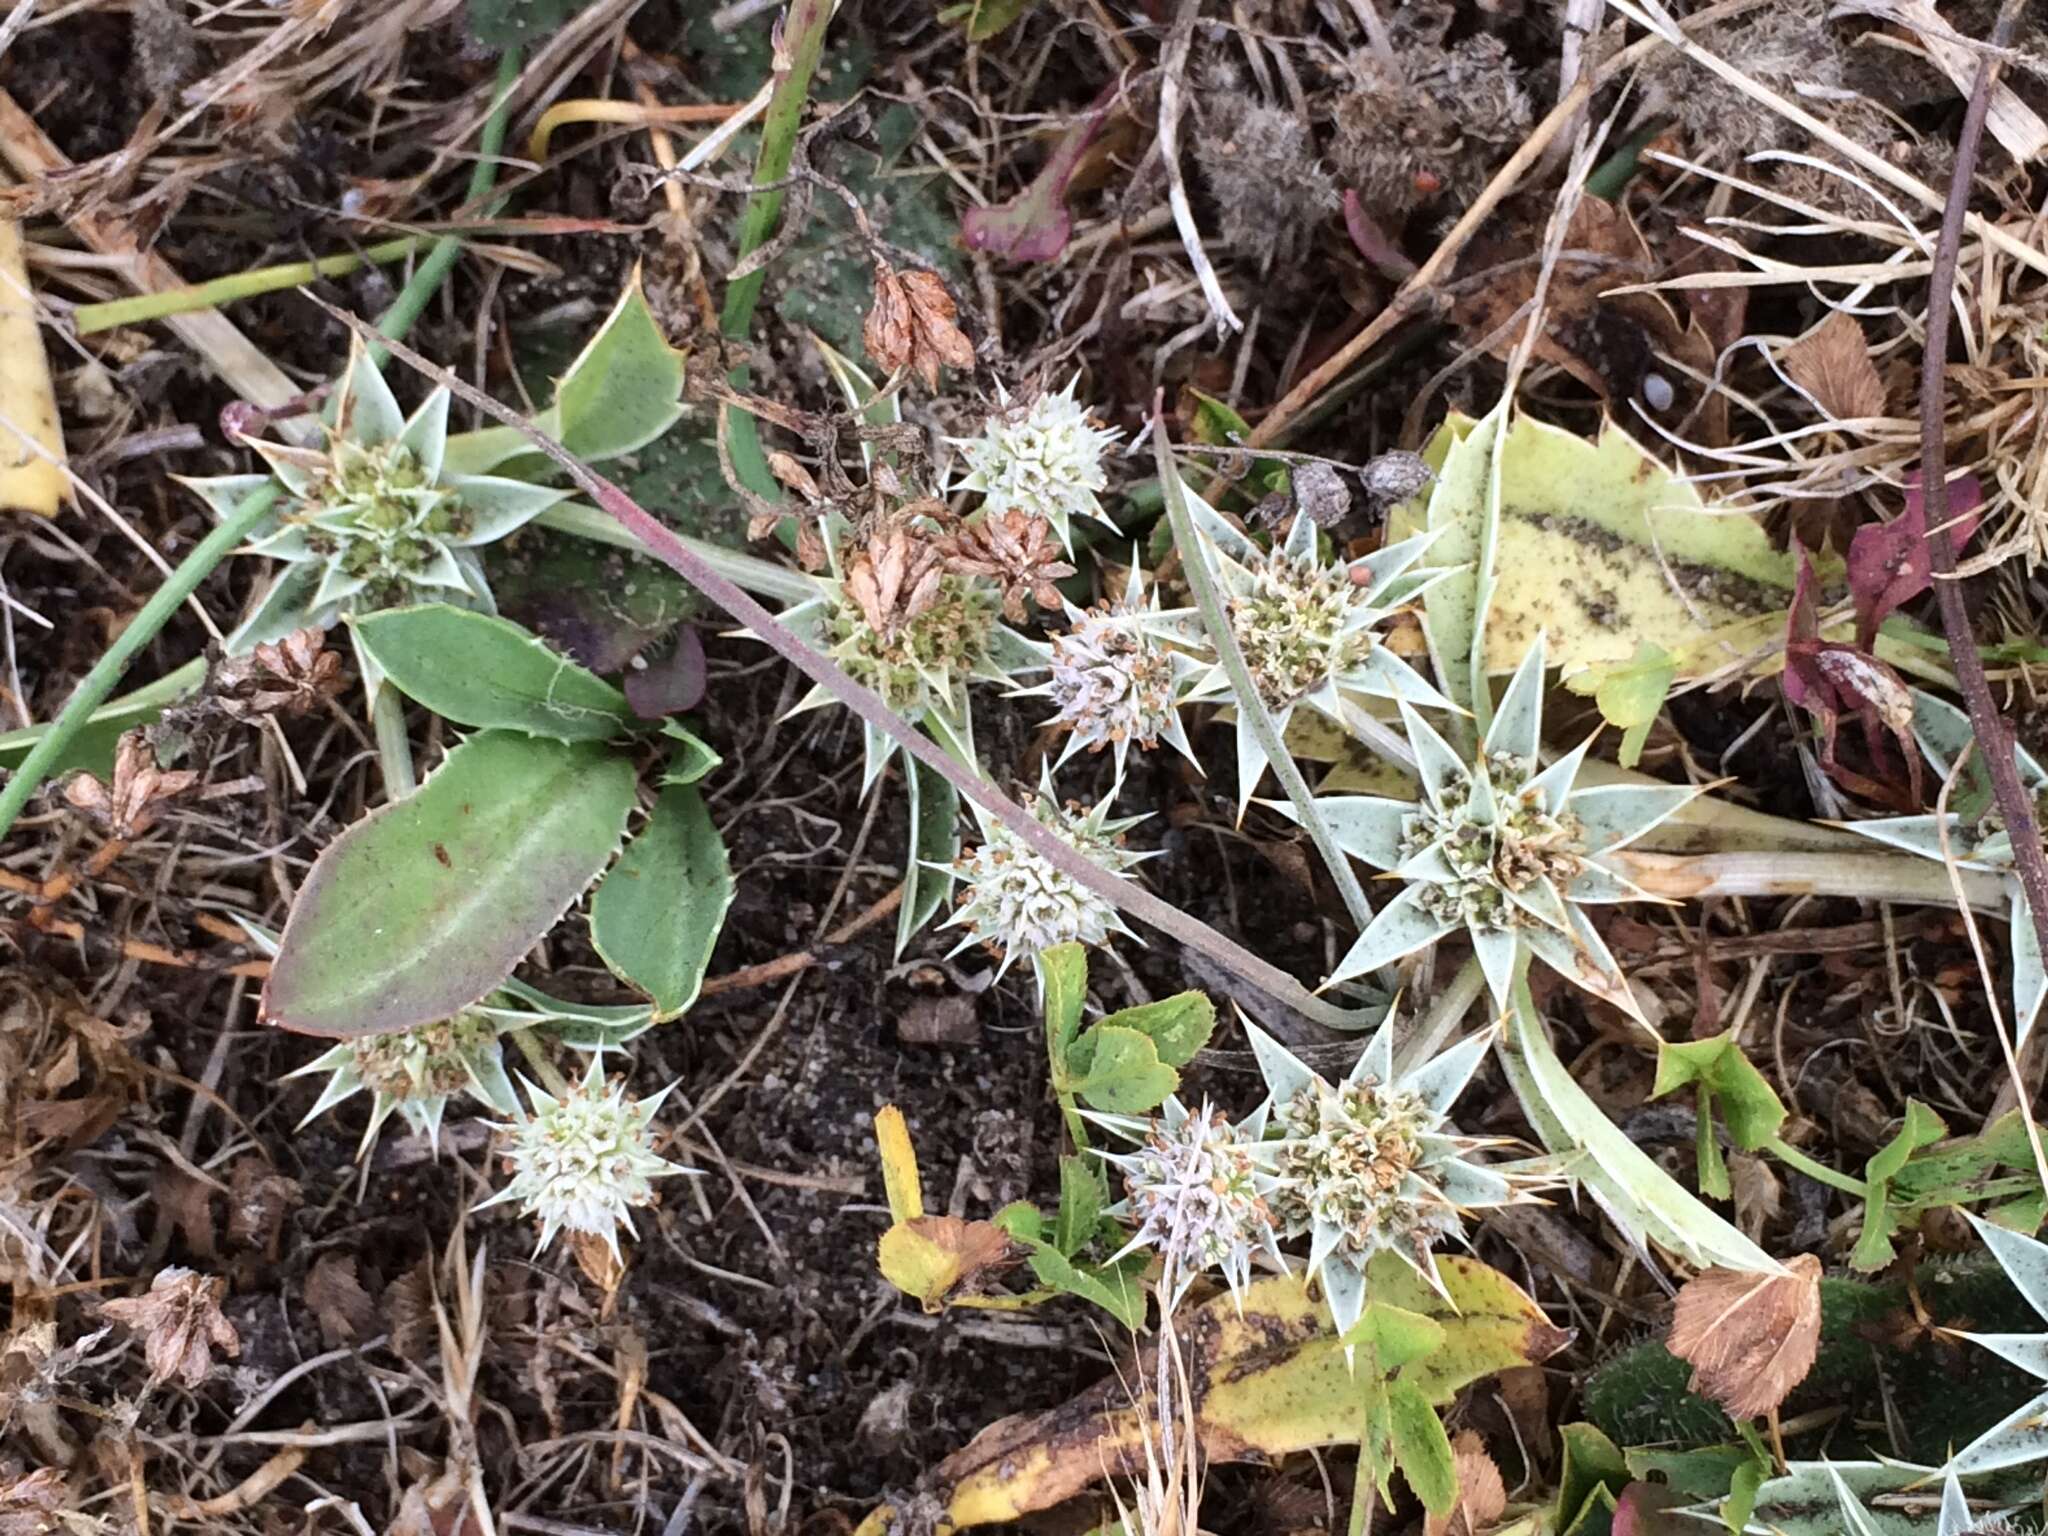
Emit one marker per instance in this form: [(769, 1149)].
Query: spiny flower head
[(1043, 456), (415, 1072), (902, 624), (375, 518), (1975, 842), (1501, 847), (1112, 682), (585, 1161), (1369, 1165), (1196, 1191), (1307, 627), (1018, 903)]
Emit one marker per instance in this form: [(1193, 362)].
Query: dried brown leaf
[(259, 1199), (1482, 1496), (913, 324), (1832, 363), (181, 1324), (29, 1505), (1749, 1337), (338, 1302)]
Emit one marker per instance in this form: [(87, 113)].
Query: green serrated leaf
[(1063, 979), (1394, 1336), (1421, 1448), (487, 672), (1593, 1464), (1178, 1026), (1922, 1128), (1113, 1287), (690, 758), (1125, 1075), (1630, 693), (1713, 1168), (1083, 1194), (422, 907), (656, 917), (1753, 1110), (1022, 1220)]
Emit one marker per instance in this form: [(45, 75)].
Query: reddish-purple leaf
[(1829, 680), (1034, 225), (671, 685), (1651, 1509), (1372, 241), (1889, 562)]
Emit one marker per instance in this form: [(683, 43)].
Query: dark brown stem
[(656, 538), (2014, 804)]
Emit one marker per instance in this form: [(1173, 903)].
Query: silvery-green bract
[(1502, 847), (374, 519), (1306, 627), (1370, 1165), (1196, 1191), (1980, 842), (1112, 681), (2018, 1438)]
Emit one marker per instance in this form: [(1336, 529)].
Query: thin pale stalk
[(1447, 1011), (239, 285), (1209, 601), (663, 544), (1863, 876), (537, 1057), (763, 578), (1819, 1172), (394, 747), (106, 672)]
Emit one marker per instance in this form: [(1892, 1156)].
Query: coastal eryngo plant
[(2016, 1439), (415, 1072), (583, 1162), (1042, 456), (1370, 1165), (899, 622), (1502, 847), (374, 519), (1113, 683), (1978, 842), (1197, 1192), (1308, 628), (1018, 903)]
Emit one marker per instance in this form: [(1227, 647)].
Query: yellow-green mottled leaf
[(1421, 1448)]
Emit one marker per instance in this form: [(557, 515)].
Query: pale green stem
[(1792, 1157), (537, 1057), (760, 577), (1362, 1496), (1875, 876), (238, 285), (1446, 1012), (394, 748), (1216, 620), (143, 628)]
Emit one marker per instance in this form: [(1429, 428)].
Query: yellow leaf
[(899, 1165), (32, 465), (931, 1256)]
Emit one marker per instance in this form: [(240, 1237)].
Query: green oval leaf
[(657, 915), (424, 906), (625, 388), (1125, 1074), (488, 672), (1177, 1026), (1422, 1449)]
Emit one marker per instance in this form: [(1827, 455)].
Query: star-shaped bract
[(1980, 843), (374, 519), (1043, 456), (1369, 1164), (2022, 1435), (1508, 850), (1306, 627)]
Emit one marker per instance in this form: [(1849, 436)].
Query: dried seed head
[(414, 1073), (181, 1324), (1112, 684), (139, 794)]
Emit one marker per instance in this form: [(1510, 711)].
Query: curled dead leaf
[(338, 1302), (1832, 363), (1750, 1337), (935, 1257), (913, 324), (181, 1324)]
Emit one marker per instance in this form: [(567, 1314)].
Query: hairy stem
[(1216, 619), (663, 544), (106, 672)]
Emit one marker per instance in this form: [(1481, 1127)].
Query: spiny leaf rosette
[(1042, 456), (1112, 682), (1975, 841), (374, 519), (584, 1162), (1014, 901), (1502, 847), (1307, 628), (1196, 1191), (917, 637)]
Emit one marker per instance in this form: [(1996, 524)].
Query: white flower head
[(1307, 627), (1043, 456), (1018, 903), (1113, 682), (374, 519), (415, 1072), (1369, 1165), (1196, 1192), (583, 1162), (1502, 847), (910, 631), (1978, 842)]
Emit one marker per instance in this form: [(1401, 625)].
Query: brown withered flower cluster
[(1017, 550), (140, 791)]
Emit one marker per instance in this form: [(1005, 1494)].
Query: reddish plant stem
[(2014, 804), (656, 538)]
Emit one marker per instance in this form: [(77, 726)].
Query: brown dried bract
[(1018, 551), (912, 325), (1832, 363), (289, 677), (1750, 1337), (1482, 1496), (140, 793), (895, 578), (181, 1324)]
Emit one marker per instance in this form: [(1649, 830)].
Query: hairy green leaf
[(656, 917), (478, 670)]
